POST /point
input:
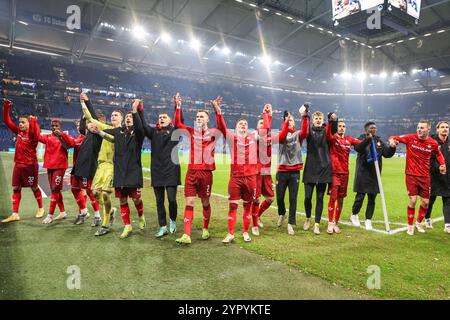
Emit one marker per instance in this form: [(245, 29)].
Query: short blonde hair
[(427, 122), (317, 114)]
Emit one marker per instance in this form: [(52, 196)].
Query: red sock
[(422, 214), (331, 208), (38, 197), (411, 214), (60, 202), (188, 217), (79, 198), (140, 208), (94, 202), (337, 212), (125, 213), (255, 216), (232, 217), (16, 197), (263, 207), (53, 201), (247, 217), (206, 216)]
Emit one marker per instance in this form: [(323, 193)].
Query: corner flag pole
[(383, 201)]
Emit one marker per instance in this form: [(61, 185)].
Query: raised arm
[(137, 122), (7, 118), (90, 118), (177, 119), (267, 116), (304, 131), (331, 127), (148, 131), (84, 98), (34, 130), (281, 136), (220, 121)]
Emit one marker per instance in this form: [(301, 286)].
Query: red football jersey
[(265, 146), (26, 142), (339, 151), (418, 154), (244, 151), (203, 143), (55, 156)]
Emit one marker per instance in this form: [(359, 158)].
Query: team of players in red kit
[(250, 172)]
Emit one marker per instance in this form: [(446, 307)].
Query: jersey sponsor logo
[(421, 148), (24, 138), (342, 145)]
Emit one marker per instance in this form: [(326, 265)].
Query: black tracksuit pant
[(160, 208), (445, 207), (359, 199), (320, 193), (291, 180)]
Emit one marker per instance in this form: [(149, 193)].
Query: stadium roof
[(281, 43)]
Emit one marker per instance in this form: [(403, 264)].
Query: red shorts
[(56, 179), (198, 182), (339, 186), (133, 193), (242, 188), (25, 175), (264, 186), (418, 186), (80, 182)]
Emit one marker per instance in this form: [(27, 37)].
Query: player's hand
[(177, 100), (393, 143), (7, 103), (443, 169), (141, 105), (136, 103), (332, 116), (83, 97), (369, 135), (304, 110), (93, 128), (216, 103), (268, 108), (57, 133)]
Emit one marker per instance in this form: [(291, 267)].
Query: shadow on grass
[(11, 287)]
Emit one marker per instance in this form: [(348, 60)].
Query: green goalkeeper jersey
[(106, 153)]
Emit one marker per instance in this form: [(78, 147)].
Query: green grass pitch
[(34, 258)]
